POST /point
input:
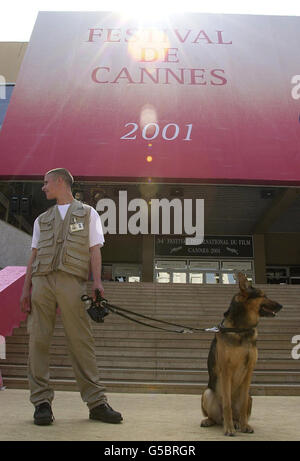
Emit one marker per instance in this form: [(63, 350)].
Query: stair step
[(160, 388), (135, 358), (158, 374)]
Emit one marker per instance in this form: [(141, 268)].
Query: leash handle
[(86, 298), (99, 299), (98, 308), (102, 302)]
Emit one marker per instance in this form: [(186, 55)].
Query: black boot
[(43, 415), (106, 414)]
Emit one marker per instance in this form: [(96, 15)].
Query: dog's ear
[(244, 283)]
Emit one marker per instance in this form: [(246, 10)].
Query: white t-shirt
[(96, 232)]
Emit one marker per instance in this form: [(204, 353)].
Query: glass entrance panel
[(133, 278), (163, 277), (170, 264), (126, 272), (201, 271), (196, 277), (228, 278), (204, 265), (212, 277), (179, 277)]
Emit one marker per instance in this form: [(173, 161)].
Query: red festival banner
[(191, 97)]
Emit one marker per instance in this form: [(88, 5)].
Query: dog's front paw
[(229, 431), (247, 428), (207, 422)]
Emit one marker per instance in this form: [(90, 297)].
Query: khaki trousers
[(65, 290)]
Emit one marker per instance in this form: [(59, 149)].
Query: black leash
[(100, 308), (113, 309), (117, 309)]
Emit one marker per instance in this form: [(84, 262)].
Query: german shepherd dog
[(232, 357)]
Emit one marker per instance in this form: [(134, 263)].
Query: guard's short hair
[(63, 173)]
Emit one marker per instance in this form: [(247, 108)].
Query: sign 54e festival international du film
[(193, 96)]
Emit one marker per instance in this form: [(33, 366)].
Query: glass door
[(170, 271), (163, 276), (212, 277), (201, 271), (196, 277), (228, 278), (179, 277), (126, 272), (230, 268)]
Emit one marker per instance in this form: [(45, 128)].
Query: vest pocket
[(46, 223), (73, 257), (77, 237), (42, 264), (46, 226), (79, 217), (45, 247), (46, 239)]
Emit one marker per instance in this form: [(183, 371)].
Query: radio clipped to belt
[(97, 310)]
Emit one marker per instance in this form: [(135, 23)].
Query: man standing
[(66, 244)]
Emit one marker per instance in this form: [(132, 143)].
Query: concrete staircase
[(134, 358)]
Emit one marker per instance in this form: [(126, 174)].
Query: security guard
[(66, 244)]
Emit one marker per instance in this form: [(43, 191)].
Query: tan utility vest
[(64, 244)]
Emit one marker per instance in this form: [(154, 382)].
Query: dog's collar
[(223, 329)]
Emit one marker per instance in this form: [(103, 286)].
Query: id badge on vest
[(76, 226)]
